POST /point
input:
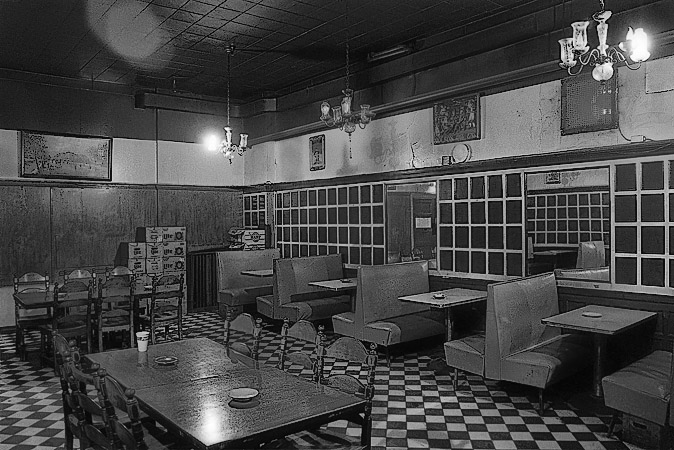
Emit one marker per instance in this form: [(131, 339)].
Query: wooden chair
[(166, 305), (345, 349), (113, 308), (241, 351), (29, 320), (69, 402), (72, 315), (302, 330)]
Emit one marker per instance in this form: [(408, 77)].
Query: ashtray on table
[(166, 360), (243, 394)]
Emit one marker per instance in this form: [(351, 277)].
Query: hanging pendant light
[(575, 49), (226, 147)]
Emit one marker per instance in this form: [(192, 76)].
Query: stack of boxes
[(157, 251)]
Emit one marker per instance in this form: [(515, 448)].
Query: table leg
[(438, 364), (599, 362)]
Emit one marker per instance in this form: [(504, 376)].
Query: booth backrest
[(292, 276), (592, 274), (231, 263), (380, 286), (514, 312)]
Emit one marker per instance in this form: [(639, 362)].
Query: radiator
[(202, 284)]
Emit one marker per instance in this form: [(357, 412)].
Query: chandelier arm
[(572, 73), (589, 57)]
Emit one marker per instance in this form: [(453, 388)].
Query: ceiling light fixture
[(342, 115), (398, 50), (226, 147), (575, 50)]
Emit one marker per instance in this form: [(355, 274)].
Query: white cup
[(142, 338)]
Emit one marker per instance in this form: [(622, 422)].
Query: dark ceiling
[(281, 46)]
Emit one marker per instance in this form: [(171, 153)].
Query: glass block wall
[(481, 226), (644, 237), (254, 210), (567, 218), (335, 219)]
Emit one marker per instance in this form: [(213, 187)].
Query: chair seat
[(115, 321), (33, 321), (466, 354), (405, 328), (642, 388)]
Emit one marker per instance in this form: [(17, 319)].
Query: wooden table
[(451, 298), (191, 399), (258, 273), (612, 321)]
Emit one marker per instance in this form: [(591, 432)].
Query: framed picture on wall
[(317, 156), (456, 119), (44, 155)]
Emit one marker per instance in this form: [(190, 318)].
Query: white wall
[(519, 122)]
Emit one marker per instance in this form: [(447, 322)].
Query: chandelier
[(343, 117), (226, 147), (575, 50)]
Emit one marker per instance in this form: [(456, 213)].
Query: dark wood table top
[(33, 299), (202, 411), (599, 319), (447, 298), (191, 397), (197, 358), (336, 285)]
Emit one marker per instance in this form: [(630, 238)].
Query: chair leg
[(388, 357), (611, 425), (455, 380), (541, 404)]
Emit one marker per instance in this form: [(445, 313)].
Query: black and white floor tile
[(413, 407)]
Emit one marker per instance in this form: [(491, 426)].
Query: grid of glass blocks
[(644, 238), (481, 229), (565, 218), (335, 219), (254, 210)]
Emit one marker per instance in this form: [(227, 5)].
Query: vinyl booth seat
[(466, 354), (379, 316), (236, 290), (521, 349), (293, 298), (642, 388)]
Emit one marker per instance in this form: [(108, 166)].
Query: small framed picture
[(317, 156), (456, 120)]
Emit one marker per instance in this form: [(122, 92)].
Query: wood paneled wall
[(49, 227)]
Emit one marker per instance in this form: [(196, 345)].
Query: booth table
[(602, 322)]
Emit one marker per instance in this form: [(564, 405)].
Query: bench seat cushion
[(409, 327), (265, 305), (549, 361), (642, 388), (466, 354), (344, 324), (243, 295), (315, 309)]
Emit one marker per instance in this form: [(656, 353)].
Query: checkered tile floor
[(413, 407)]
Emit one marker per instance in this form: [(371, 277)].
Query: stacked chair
[(25, 322)]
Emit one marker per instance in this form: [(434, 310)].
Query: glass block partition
[(481, 226), (567, 217), (644, 236), (335, 219), (254, 210)]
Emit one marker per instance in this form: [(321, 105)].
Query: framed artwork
[(45, 155), (317, 144), (456, 120)]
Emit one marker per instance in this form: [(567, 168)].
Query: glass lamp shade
[(228, 136), (325, 110), (337, 113), (603, 72), (580, 36), (365, 113), (346, 105), (639, 45), (566, 53), (244, 141)]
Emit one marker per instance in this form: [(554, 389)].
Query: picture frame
[(317, 152), (62, 156), (456, 119)]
